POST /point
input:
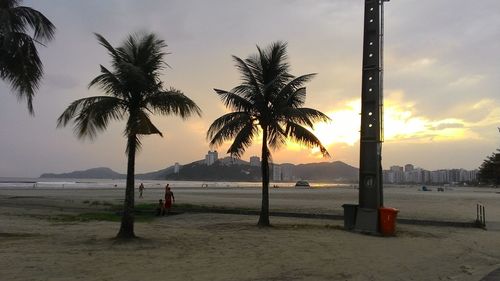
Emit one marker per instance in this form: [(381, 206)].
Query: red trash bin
[(388, 220)]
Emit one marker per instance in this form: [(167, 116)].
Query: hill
[(327, 171), (228, 169), (95, 173), (217, 172)]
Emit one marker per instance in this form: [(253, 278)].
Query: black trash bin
[(350, 211)]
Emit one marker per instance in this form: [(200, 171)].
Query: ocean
[(57, 183)]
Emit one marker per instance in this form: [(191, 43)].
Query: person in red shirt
[(169, 198)]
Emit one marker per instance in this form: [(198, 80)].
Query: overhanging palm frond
[(303, 136), (21, 66), (172, 101), (92, 115), (43, 29)]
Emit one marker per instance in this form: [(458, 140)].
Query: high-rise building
[(177, 168), (276, 172), (255, 161), (287, 172), (408, 167), (211, 157)]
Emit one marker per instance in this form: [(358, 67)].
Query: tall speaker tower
[(372, 131)]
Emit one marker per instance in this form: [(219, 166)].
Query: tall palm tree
[(269, 101), (133, 91), (19, 61)]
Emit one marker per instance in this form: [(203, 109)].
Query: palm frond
[(226, 127), (137, 143), (219, 123), (276, 136), (43, 29), (109, 83), (275, 68), (303, 136), (304, 116), (21, 65), (249, 75), (172, 101), (243, 140), (234, 101), (103, 42), (91, 115), (294, 92)]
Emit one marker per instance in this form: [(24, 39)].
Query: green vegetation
[(268, 102), (19, 61), (133, 91), (489, 172)]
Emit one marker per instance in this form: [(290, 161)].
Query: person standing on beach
[(169, 197), (141, 189)]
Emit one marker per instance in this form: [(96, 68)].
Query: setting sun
[(401, 122)]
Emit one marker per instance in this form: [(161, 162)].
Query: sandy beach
[(204, 246)]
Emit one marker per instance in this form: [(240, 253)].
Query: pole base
[(367, 221)]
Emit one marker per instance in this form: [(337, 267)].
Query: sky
[(442, 106)]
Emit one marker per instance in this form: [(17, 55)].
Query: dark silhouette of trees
[(133, 91), (489, 171), (21, 28), (269, 102)]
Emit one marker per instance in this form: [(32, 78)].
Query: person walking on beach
[(141, 189), (169, 197)]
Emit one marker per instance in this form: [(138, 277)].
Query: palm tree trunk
[(264, 210), (127, 225)]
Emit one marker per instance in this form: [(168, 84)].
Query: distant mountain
[(157, 175), (95, 173), (242, 171), (229, 169), (107, 173), (327, 171)]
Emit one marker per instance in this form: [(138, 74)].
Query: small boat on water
[(302, 184)]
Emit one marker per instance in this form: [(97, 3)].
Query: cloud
[(467, 81)]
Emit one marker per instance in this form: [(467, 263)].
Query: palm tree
[(269, 101), (19, 61), (133, 92)]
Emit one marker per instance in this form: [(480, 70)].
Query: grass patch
[(98, 203), (16, 235), (151, 207), (94, 216)]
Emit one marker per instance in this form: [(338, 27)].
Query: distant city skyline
[(442, 107)]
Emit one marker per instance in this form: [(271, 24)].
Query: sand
[(231, 247)]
